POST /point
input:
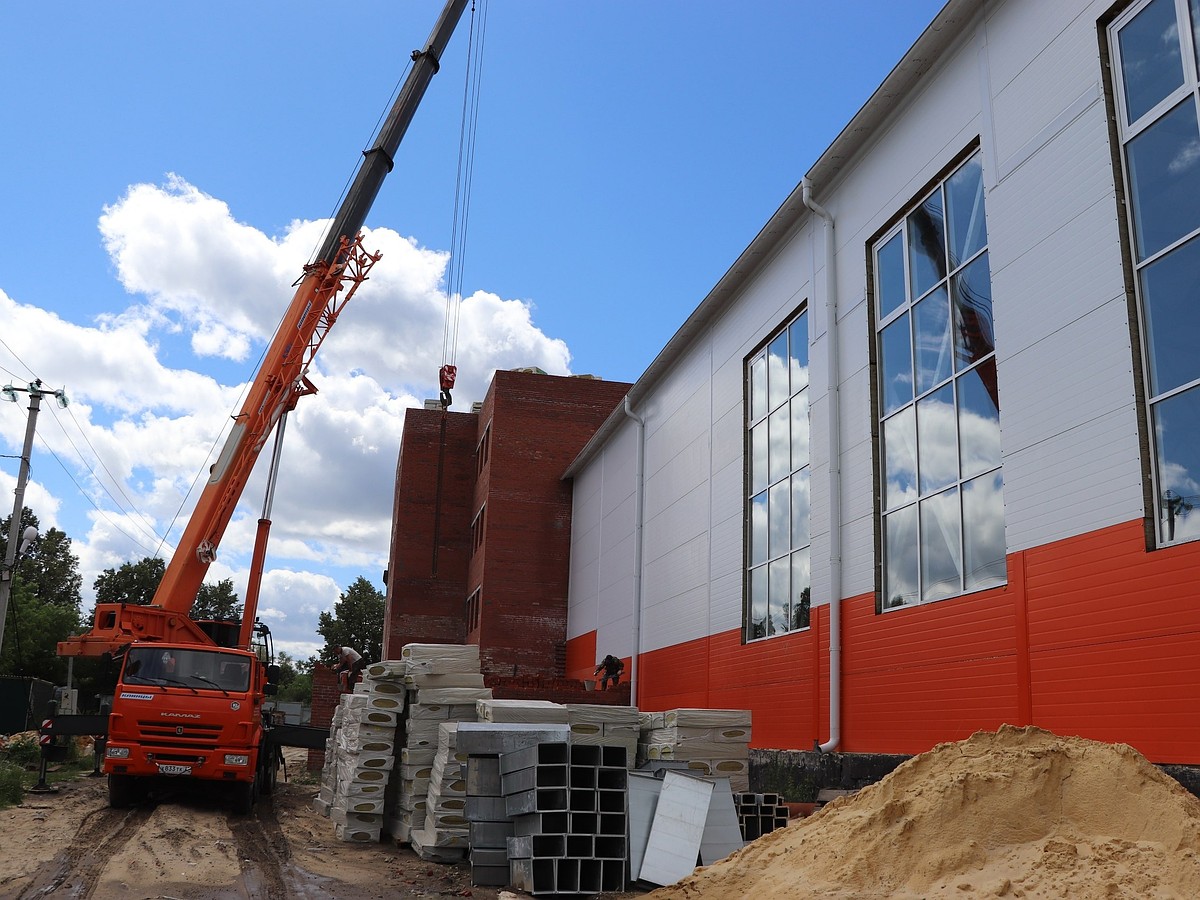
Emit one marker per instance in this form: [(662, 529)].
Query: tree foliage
[(217, 601), (136, 583), (131, 583), (356, 621), (48, 566), (295, 679), (43, 606)]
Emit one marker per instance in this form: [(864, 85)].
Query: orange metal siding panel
[(581, 656)]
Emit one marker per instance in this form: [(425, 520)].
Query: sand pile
[(1018, 813)]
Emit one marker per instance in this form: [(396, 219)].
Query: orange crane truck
[(189, 701)]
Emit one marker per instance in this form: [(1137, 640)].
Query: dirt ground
[(188, 846)]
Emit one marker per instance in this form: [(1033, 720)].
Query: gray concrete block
[(504, 737)]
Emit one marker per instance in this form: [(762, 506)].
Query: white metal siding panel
[(1048, 496), (728, 441), (688, 469), (675, 596), (683, 426), (679, 522), (1033, 80), (725, 603), (858, 520)]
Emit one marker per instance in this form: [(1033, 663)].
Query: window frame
[(919, 498), (796, 552), (1160, 503)]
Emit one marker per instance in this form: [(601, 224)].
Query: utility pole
[(12, 551)]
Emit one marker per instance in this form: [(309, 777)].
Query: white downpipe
[(639, 482), (835, 478)]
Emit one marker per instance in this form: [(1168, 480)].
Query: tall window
[(777, 481), (941, 487), (1154, 49)]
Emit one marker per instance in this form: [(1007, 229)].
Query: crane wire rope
[(468, 130)]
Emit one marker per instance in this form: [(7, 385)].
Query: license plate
[(165, 769)]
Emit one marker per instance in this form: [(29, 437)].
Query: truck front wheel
[(245, 794), (123, 791)]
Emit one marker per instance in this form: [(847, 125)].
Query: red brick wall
[(539, 423), (431, 532), (325, 694), (535, 425)]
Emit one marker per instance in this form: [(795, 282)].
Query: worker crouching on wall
[(612, 669), (349, 667)]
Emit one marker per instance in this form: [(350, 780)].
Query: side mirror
[(273, 673), (270, 690)]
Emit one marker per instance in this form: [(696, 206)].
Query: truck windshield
[(197, 669)]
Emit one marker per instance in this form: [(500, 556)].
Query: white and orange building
[(926, 460)]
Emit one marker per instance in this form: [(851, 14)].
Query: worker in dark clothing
[(612, 669), (350, 664)]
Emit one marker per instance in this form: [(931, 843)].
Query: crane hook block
[(446, 376)]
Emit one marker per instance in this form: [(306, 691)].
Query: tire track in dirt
[(75, 871), (268, 869)]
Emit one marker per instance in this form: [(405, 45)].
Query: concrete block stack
[(490, 826), (359, 758), (609, 726), (711, 741), (442, 685), (568, 807), (759, 814)]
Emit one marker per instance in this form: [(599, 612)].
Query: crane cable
[(462, 199)]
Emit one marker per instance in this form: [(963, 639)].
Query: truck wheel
[(123, 791), (270, 773), (245, 794)]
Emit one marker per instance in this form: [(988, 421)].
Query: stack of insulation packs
[(360, 756), (608, 726), (710, 741), (425, 803)]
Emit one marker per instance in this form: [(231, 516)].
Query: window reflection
[(1172, 313), (978, 420), (1164, 166), (984, 564), (931, 328), (937, 444), (758, 529), (798, 345), (1152, 66), (941, 546), (781, 517), (778, 505), (895, 369), (900, 556), (964, 208), (889, 274), (757, 626), (926, 245), (800, 509), (777, 370), (801, 589), (900, 458), (758, 389), (971, 296), (800, 430), (778, 594), (1177, 432), (939, 399)]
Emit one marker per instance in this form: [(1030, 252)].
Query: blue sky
[(167, 167)]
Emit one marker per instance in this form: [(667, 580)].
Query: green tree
[(131, 583), (43, 605), (356, 621), (295, 679), (48, 565), (217, 601), (136, 583)]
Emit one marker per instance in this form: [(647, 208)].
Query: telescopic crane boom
[(327, 284)]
